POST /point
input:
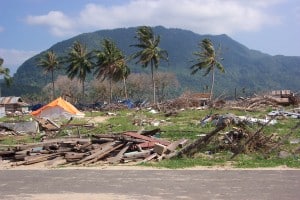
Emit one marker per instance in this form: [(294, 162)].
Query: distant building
[(13, 104), (284, 97), (199, 99), (282, 93)]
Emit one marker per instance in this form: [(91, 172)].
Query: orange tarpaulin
[(58, 105)]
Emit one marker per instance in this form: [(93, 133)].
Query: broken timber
[(197, 145)]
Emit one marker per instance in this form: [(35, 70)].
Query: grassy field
[(186, 124)]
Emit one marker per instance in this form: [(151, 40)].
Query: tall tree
[(207, 59), (5, 72), (79, 63), (49, 62), (122, 73), (111, 64), (150, 52)]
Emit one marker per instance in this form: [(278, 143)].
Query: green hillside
[(249, 69)]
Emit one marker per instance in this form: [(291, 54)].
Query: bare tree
[(166, 83), (67, 88), (100, 90), (139, 86)]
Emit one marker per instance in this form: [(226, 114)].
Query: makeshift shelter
[(59, 108), (13, 104)]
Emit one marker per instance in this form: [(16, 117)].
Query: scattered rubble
[(231, 133), (105, 148)]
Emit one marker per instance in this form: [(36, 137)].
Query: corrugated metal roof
[(10, 100)]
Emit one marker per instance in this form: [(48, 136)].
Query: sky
[(28, 27)]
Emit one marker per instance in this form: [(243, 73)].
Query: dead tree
[(200, 143), (242, 148)]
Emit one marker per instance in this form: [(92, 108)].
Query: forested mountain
[(245, 69)]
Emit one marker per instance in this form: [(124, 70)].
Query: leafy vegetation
[(49, 62), (150, 52), (207, 59), (111, 65), (5, 72), (247, 71), (79, 63)]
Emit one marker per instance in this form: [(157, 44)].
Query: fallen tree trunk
[(39, 158), (197, 145)]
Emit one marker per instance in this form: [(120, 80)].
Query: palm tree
[(125, 72), (50, 63), (111, 64), (150, 52), (79, 63), (5, 72), (207, 59)]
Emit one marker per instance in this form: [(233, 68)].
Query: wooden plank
[(51, 142), (147, 145), (149, 139), (84, 147), (137, 154), (117, 137), (159, 149), (98, 157), (97, 152), (39, 158), (151, 132), (102, 140), (172, 147), (72, 156), (7, 153), (150, 157), (183, 143), (119, 156)]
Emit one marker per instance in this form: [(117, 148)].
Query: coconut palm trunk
[(79, 63), (111, 65), (150, 52), (50, 63), (212, 84), (207, 59), (53, 89), (110, 91), (153, 83), (125, 87), (83, 90)]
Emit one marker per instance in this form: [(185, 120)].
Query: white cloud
[(201, 16), (59, 23), (14, 58)]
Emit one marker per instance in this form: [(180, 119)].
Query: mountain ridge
[(245, 68)]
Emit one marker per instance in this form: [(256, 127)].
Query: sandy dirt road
[(148, 184)]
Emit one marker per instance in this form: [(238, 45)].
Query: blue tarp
[(128, 103)]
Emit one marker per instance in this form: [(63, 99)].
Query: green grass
[(254, 161), (14, 140), (187, 125), (178, 163)]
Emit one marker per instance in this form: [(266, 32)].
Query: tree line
[(109, 65)]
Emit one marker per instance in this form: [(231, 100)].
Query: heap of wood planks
[(100, 148)]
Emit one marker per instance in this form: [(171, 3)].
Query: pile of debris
[(236, 138), (259, 102), (100, 148), (239, 138)]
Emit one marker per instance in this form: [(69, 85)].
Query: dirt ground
[(5, 165), (73, 196), (97, 119), (58, 163)]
